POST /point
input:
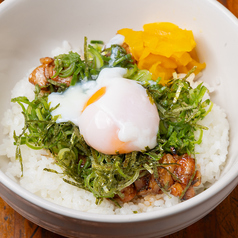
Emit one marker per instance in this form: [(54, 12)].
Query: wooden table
[(222, 222)]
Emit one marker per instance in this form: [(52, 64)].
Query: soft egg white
[(114, 114)]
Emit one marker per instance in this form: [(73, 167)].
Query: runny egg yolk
[(114, 114), (95, 97)]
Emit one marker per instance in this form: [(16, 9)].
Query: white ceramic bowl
[(31, 29)]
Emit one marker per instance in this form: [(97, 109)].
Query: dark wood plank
[(232, 5), (13, 225)]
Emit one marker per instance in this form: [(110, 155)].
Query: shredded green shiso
[(180, 108)]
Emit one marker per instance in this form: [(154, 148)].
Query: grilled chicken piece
[(184, 171), (165, 175), (142, 185), (129, 193), (177, 190), (149, 184), (45, 71), (197, 179), (183, 167)]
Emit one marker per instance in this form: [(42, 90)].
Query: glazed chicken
[(45, 71), (178, 176)]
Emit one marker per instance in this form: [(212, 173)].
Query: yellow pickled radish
[(163, 48)]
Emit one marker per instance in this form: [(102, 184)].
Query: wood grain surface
[(222, 222)]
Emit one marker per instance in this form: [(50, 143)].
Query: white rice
[(211, 159)]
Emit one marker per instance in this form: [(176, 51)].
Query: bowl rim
[(102, 218)]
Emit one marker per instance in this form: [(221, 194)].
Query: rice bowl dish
[(45, 199), (211, 157)]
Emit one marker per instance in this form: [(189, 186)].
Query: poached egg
[(114, 114)]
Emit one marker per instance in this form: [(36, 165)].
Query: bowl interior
[(29, 31)]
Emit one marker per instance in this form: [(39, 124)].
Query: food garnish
[(163, 48)]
